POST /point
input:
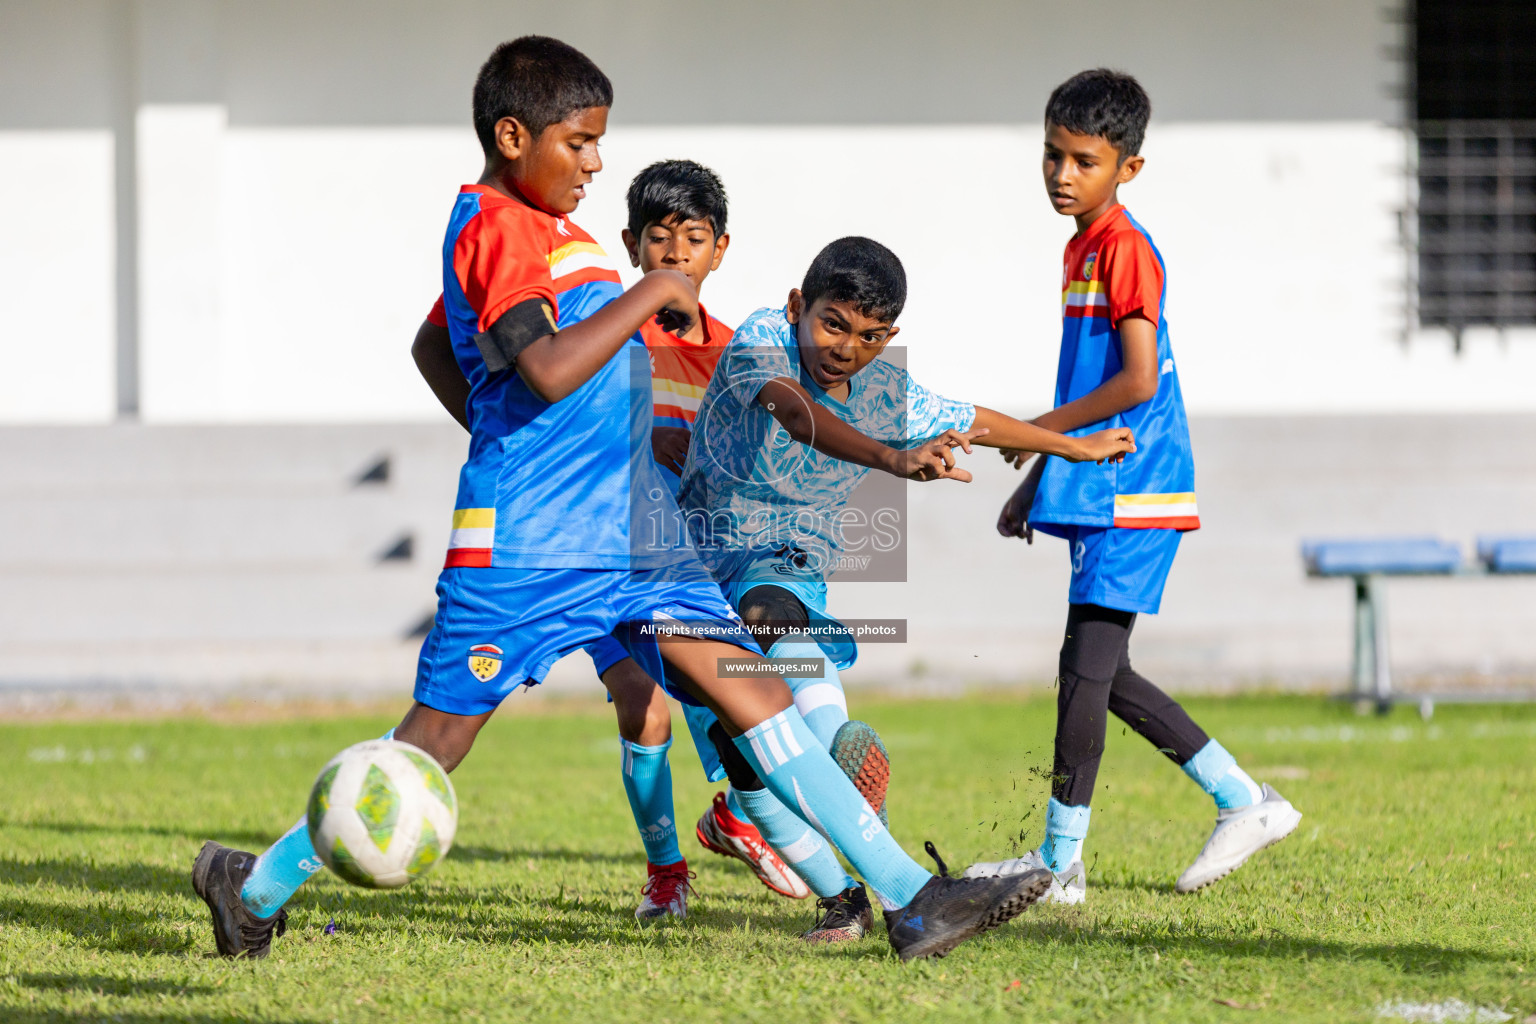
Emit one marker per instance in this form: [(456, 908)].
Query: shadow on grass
[(490, 855), (230, 837), (14, 1015), (1407, 957), (105, 986), (98, 924), (101, 922), (517, 914), (104, 878)]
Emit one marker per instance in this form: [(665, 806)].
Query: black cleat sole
[(1033, 886)]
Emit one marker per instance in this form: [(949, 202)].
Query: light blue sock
[(1066, 826), (1217, 773), (648, 783), (286, 865), (799, 844), (800, 772), (820, 701), (733, 803)]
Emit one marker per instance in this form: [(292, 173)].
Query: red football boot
[(721, 832), (665, 892)]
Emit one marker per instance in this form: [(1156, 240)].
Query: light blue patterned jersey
[(751, 493)]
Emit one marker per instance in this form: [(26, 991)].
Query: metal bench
[(1368, 561)]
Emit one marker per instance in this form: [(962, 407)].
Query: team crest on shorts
[(485, 661), (1088, 263)]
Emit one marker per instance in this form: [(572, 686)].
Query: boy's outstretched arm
[(556, 364), (1134, 383), (433, 352), (1006, 432), (813, 425)]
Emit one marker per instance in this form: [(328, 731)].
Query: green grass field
[(1409, 880)]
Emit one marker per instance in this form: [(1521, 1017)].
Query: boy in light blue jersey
[(548, 555), (1122, 523), (797, 414)]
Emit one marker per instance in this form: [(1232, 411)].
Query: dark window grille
[(1474, 97)]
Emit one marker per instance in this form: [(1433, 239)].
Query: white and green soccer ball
[(382, 813)]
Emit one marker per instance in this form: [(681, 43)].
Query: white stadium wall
[(292, 163), (221, 218)]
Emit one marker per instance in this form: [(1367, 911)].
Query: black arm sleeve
[(516, 329)]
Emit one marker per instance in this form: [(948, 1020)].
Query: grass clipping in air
[(1409, 881)]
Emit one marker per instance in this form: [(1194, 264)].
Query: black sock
[(738, 770)]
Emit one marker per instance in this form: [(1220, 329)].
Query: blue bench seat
[(1383, 556), (1507, 554)]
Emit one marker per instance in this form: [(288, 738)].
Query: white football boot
[(1070, 886), (1240, 833)]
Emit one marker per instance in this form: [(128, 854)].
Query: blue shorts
[(605, 654), (498, 629), (608, 652), (1118, 568)]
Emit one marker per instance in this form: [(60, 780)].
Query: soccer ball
[(382, 813)]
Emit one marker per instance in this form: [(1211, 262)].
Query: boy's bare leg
[(446, 737), (641, 705), (739, 702)]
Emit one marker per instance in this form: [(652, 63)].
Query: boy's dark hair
[(538, 80), (1109, 104), (860, 271), (676, 188)]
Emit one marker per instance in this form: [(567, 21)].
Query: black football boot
[(947, 911), (217, 876)]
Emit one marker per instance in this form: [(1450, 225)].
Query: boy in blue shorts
[(563, 532), (1122, 523), (798, 413), (677, 220)]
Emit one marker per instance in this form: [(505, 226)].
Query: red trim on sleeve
[(501, 258), (1132, 276), (438, 314)]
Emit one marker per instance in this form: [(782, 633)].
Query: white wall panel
[(182, 247), (56, 266), (1281, 289)]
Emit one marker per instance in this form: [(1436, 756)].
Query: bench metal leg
[(1372, 682)]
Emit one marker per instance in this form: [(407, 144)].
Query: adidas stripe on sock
[(800, 772), (648, 784), (821, 702), (800, 845)]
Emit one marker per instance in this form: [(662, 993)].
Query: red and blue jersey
[(680, 370), (1112, 271), (568, 484)]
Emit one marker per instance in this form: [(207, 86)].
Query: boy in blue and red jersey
[(564, 532), (1122, 521), (677, 220)]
